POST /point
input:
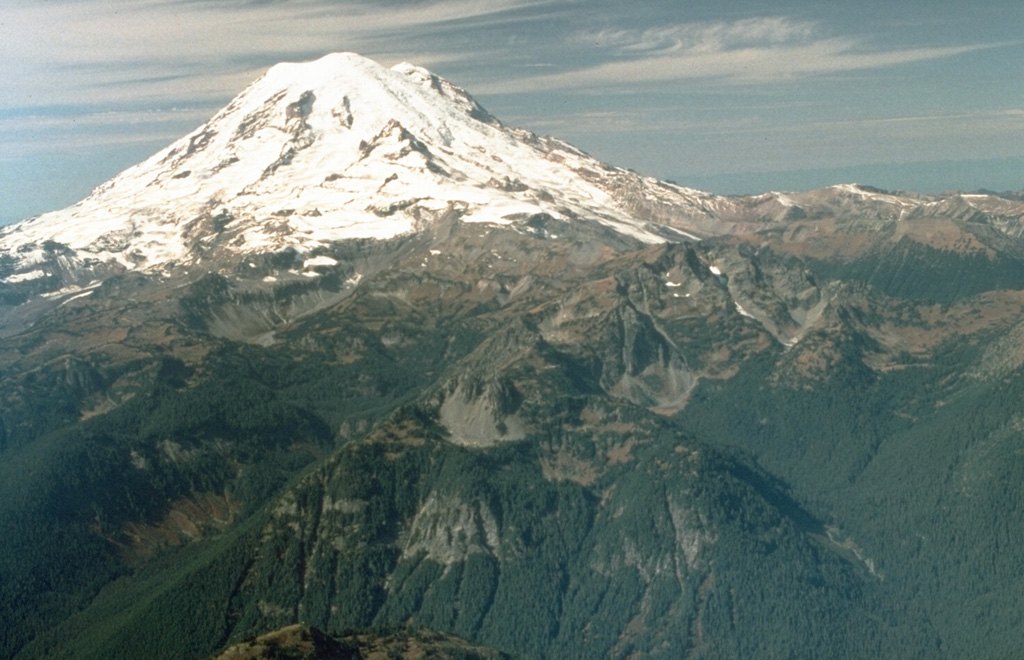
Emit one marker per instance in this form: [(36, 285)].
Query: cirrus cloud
[(754, 50), (701, 37)]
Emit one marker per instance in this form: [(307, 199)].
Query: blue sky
[(731, 97)]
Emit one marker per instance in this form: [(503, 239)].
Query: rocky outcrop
[(302, 642)]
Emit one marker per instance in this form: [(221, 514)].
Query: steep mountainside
[(355, 354)]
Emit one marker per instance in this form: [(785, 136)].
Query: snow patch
[(25, 277), (76, 297), (744, 312), (319, 261), (69, 290), (783, 199)]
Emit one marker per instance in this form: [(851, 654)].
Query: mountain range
[(354, 354)]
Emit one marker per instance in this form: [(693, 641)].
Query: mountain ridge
[(343, 148)]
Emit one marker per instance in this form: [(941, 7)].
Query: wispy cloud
[(701, 37), (1006, 124), (77, 74), (980, 133), (96, 50), (32, 135), (755, 50)]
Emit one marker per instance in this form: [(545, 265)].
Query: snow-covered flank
[(317, 152)]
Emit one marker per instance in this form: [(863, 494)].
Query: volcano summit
[(329, 150)]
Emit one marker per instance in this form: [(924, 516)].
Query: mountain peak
[(308, 155)]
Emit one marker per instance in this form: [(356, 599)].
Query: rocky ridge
[(301, 642)]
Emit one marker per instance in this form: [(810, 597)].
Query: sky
[(733, 97)]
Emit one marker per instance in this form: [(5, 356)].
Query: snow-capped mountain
[(314, 155), (334, 149), (344, 148)]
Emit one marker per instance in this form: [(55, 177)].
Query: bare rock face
[(480, 414), (642, 365), (449, 530)]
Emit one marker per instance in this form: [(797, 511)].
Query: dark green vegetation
[(558, 454)]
